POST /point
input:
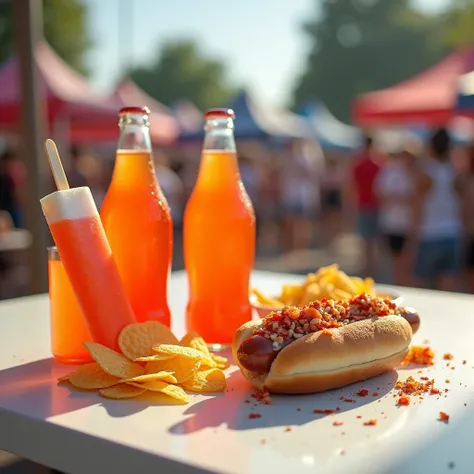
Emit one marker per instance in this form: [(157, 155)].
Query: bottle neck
[(134, 132), (219, 135)]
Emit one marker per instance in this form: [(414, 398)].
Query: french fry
[(328, 282)]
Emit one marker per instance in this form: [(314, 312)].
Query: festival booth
[(427, 99), (73, 109)]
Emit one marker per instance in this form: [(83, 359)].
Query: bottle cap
[(134, 110), (222, 113)]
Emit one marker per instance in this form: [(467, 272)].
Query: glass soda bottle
[(219, 238), (137, 220)]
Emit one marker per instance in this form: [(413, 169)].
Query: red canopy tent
[(69, 99), (72, 107), (163, 126), (428, 98)]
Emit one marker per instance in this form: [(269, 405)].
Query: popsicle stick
[(59, 175)]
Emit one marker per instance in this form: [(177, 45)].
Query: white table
[(82, 433)]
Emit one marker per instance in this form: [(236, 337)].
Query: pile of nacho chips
[(152, 360)]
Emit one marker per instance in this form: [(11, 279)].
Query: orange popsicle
[(87, 258)]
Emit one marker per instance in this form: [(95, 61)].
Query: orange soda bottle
[(219, 238), (137, 220)]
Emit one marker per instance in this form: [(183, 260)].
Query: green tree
[(181, 71), (64, 23), (362, 45), (460, 24)]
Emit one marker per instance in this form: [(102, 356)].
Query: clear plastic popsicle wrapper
[(77, 230)]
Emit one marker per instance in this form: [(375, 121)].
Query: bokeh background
[(299, 75), (294, 72)]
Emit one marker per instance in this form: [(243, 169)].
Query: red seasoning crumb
[(447, 356), (362, 393), (434, 391), (464, 362), (359, 416), (263, 396), (424, 378), (337, 423), (288, 428), (443, 417), (404, 400), (323, 412), (371, 422), (254, 415), (375, 394), (338, 408), (348, 400)]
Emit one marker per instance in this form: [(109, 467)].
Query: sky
[(260, 40)]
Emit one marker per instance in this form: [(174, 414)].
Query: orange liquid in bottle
[(138, 224), (93, 275), (68, 327), (219, 249)]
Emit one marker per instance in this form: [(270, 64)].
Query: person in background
[(360, 200), (299, 188), (331, 197), (437, 228), (74, 175), (91, 168), (7, 193), (251, 182), (467, 206), (13, 181), (394, 187)]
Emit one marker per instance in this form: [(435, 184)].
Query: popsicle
[(77, 230)]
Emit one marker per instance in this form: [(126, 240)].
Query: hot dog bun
[(318, 362)]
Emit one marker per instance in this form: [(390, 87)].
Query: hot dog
[(324, 345)]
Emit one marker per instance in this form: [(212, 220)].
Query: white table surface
[(79, 432)]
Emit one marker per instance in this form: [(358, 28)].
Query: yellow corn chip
[(195, 341), (162, 387), (187, 352), (164, 376), (181, 367), (155, 357), (122, 390), (92, 376), (112, 362), (65, 378), (221, 361), (211, 380), (136, 340)]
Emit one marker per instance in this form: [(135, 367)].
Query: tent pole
[(28, 20)]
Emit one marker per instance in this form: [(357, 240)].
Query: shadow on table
[(32, 389), (294, 410)]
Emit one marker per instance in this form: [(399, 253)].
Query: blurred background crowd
[(354, 123)]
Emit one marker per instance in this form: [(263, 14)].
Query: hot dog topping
[(293, 322)]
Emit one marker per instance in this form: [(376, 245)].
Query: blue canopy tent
[(465, 103), (328, 130), (258, 122)]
